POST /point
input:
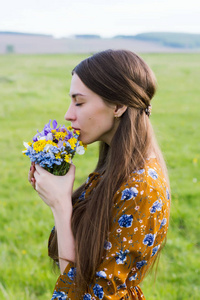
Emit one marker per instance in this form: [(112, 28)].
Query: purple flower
[(47, 128)]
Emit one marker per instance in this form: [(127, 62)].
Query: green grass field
[(34, 89)]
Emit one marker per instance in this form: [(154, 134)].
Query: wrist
[(62, 210)]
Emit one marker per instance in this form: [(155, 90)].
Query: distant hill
[(87, 36), (24, 34), (32, 43), (169, 39)]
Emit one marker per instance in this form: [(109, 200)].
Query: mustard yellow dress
[(139, 225)]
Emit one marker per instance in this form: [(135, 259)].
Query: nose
[(70, 114)]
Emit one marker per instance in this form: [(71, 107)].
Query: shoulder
[(147, 184)]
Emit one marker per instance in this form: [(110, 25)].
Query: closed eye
[(78, 104)]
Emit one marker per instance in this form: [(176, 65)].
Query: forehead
[(78, 87)]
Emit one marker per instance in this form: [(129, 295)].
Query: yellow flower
[(60, 135), (84, 145), (195, 160), (69, 128), (39, 145), (67, 158), (57, 155), (72, 142)]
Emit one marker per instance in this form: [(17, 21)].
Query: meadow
[(34, 89)]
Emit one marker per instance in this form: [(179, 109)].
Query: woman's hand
[(31, 177), (55, 191)]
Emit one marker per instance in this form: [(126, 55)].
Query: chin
[(87, 141)]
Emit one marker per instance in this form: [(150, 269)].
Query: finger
[(38, 169), (36, 175), (31, 173), (72, 170), (33, 182), (41, 170)]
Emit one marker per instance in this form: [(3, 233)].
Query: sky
[(107, 18)]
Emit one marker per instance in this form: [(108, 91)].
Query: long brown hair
[(119, 77)]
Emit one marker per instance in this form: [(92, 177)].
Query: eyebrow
[(75, 95)]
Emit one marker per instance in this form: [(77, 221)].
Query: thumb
[(72, 170)]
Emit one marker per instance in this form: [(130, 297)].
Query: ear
[(119, 110)]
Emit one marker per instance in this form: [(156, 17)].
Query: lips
[(75, 128)]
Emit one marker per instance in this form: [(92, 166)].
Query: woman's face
[(89, 114)]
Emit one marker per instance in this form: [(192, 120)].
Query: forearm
[(65, 238)]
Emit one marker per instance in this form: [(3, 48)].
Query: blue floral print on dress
[(101, 274), (71, 274), (133, 277), (163, 223), (157, 206), (130, 193), (82, 196), (125, 221), (98, 291), (121, 256), (155, 249), (121, 286), (59, 296), (167, 193), (107, 245), (152, 173), (87, 297), (140, 264), (140, 171), (149, 239), (131, 223)]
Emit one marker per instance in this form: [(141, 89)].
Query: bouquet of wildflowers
[(54, 147)]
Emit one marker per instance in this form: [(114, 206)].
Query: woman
[(108, 232)]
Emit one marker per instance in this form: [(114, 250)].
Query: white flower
[(49, 137), (80, 150), (42, 138), (60, 144), (47, 147), (26, 145)]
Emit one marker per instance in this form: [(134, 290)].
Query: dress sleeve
[(138, 227)]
